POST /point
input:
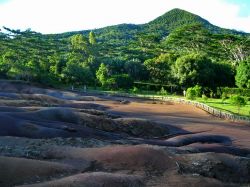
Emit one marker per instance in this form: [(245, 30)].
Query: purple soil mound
[(96, 179)]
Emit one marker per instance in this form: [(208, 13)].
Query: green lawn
[(227, 106)]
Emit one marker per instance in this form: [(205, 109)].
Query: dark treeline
[(178, 48)]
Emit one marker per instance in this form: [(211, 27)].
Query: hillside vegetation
[(178, 49), (51, 136)]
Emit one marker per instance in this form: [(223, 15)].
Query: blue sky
[(3, 1), (244, 6), (56, 16)]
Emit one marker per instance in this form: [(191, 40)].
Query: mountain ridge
[(162, 25)]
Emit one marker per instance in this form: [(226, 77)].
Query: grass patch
[(227, 106)]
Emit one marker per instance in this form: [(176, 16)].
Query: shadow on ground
[(55, 138)]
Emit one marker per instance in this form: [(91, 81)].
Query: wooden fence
[(209, 109)]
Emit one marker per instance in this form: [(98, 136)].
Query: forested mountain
[(163, 51), (161, 26), (177, 18)]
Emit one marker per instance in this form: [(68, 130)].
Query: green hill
[(162, 26), (71, 57), (177, 18)]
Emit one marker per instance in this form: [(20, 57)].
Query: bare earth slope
[(56, 138)]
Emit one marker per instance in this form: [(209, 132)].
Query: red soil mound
[(19, 170)]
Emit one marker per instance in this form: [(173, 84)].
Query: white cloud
[(53, 16)]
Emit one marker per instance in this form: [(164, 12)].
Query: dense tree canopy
[(195, 69), (178, 48), (160, 68), (243, 74)]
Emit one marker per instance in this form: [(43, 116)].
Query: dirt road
[(187, 117)]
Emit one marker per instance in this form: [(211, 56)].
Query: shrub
[(238, 101), (223, 97), (236, 91), (198, 91), (111, 84), (135, 90), (191, 94), (162, 92), (204, 97), (211, 94)]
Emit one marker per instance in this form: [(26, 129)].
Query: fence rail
[(209, 109)]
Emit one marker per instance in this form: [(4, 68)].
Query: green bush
[(236, 91), (162, 92), (191, 94), (212, 94), (223, 97), (238, 101), (204, 97), (135, 90), (111, 84), (198, 91)]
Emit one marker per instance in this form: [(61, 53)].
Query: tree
[(79, 43), (8, 60), (94, 55), (14, 66), (147, 41), (77, 74), (160, 68), (135, 69), (121, 81), (102, 74), (194, 69), (236, 47), (188, 38), (224, 74), (57, 63), (92, 39), (243, 74), (115, 65), (238, 101)]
